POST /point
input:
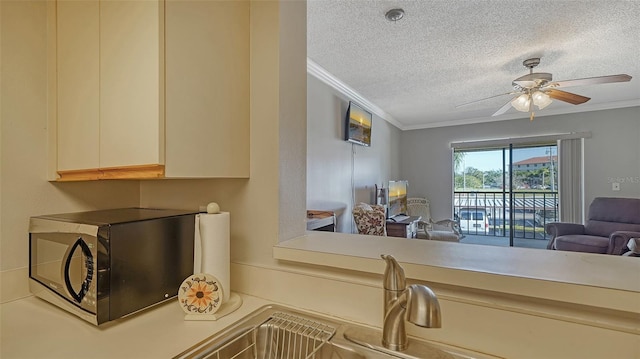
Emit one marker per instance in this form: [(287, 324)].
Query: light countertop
[(33, 328), (572, 277)]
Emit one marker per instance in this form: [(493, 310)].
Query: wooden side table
[(321, 221), (405, 229)]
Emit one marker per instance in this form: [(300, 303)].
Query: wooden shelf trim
[(126, 172)]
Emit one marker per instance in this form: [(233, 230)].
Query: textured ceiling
[(445, 53)]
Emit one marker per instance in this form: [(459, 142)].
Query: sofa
[(611, 223)]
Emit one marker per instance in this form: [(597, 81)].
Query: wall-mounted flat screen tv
[(397, 203), (358, 125)]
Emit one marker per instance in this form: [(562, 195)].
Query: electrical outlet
[(615, 186)]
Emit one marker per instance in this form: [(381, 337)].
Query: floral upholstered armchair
[(370, 219)]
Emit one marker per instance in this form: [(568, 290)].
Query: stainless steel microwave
[(107, 264)]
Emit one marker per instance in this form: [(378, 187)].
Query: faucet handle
[(394, 278), (423, 308)]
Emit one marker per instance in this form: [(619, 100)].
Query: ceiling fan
[(538, 88)]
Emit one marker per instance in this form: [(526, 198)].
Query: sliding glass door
[(504, 196)]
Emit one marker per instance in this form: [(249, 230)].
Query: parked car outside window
[(474, 220)]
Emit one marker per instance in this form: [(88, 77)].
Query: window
[(519, 201), (497, 201)]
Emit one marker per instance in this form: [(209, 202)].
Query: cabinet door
[(78, 84), (207, 88), (131, 83)]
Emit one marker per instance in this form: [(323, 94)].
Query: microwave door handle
[(88, 265)]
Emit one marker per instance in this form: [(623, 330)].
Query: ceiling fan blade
[(567, 96), (503, 109), (483, 99), (589, 81)]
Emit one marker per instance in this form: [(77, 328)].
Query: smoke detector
[(394, 15)]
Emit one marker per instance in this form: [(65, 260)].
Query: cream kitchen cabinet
[(152, 89), (78, 84)]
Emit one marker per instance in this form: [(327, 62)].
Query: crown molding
[(328, 78)]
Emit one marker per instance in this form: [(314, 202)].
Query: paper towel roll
[(211, 248)]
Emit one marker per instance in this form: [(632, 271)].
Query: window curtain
[(571, 180)]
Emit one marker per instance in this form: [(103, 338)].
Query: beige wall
[(292, 101), (253, 203), (332, 163), (24, 188)]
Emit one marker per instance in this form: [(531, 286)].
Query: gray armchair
[(611, 223)]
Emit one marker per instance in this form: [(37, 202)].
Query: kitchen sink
[(277, 332)]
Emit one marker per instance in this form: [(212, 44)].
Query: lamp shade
[(541, 99), (521, 103)]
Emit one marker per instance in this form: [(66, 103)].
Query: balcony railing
[(491, 214)]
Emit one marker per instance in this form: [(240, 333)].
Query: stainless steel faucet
[(415, 303)]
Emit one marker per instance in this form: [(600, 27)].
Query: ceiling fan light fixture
[(521, 103), (541, 99), (537, 88)]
